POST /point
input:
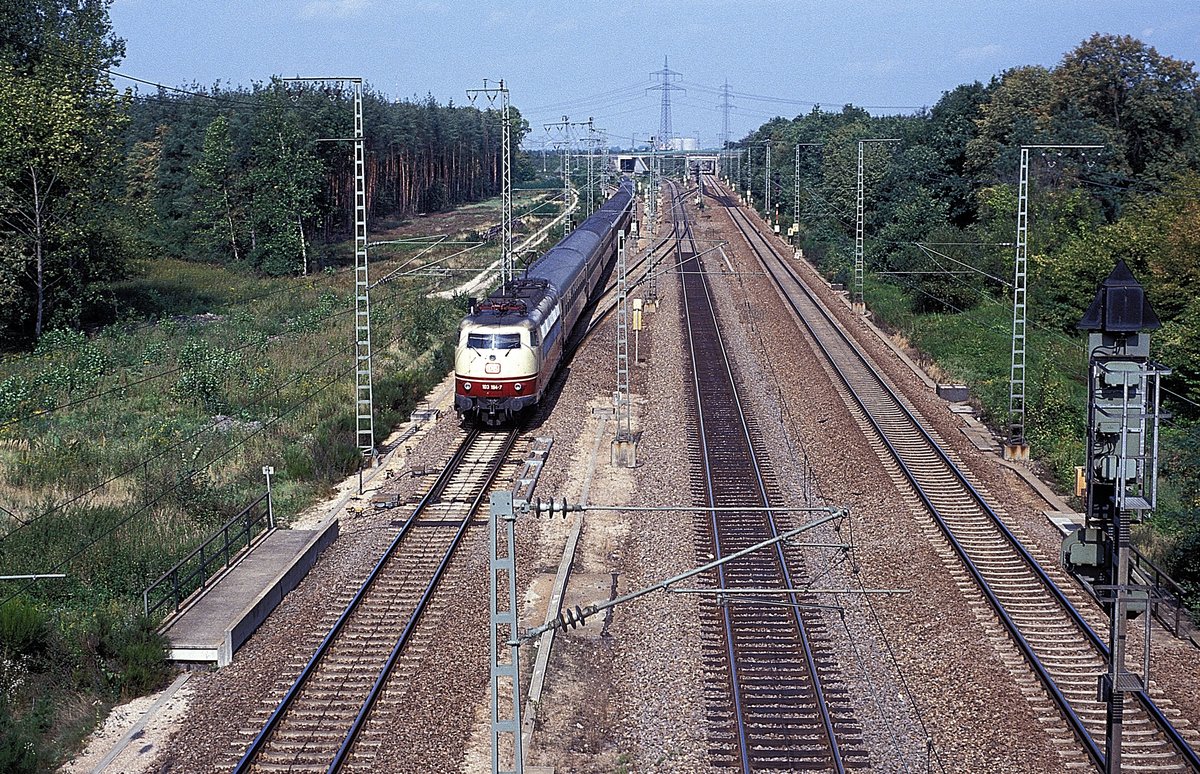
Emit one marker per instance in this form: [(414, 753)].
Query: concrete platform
[(212, 627)]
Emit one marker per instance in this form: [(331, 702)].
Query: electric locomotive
[(511, 343)]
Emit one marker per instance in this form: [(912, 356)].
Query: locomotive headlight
[(467, 386), (518, 387)]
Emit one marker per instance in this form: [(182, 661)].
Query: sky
[(591, 59)]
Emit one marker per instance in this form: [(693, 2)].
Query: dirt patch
[(158, 716), (474, 217)]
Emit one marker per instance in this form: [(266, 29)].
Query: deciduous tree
[(60, 117), (1147, 100), (218, 214)]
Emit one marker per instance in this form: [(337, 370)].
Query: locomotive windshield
[(494, 340)]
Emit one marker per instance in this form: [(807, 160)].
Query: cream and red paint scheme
[(510, 345), (498, 365)]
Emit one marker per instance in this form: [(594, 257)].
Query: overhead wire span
[(399, 272), (236, 103), (930, 251), (209, 426), (1004, 332), (143, 380), (64, 563), (113, 72), (987, 298)]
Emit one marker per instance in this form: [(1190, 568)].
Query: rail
[(714, 390), (1096, 755), (194, 572), (314, 664)]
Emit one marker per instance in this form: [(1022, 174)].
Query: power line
[(801, 102), (584, 101), (246, 104)]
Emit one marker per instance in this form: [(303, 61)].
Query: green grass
[(171, 423), (974, 347), (120, 450)]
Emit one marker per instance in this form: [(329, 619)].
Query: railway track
[(325, 721), (774, 701), (1040, 609)]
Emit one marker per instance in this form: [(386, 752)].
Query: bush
[(205, 372), (14, 397), (139, 653), (19, 741), (297, 463), (1184, 561), (23, 627), (333, 449)]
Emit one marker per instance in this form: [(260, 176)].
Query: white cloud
[(980, 53), (340, 9)]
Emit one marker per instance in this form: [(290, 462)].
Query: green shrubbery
[(121, 450), (23, 628), (103, 651), (940, 223)]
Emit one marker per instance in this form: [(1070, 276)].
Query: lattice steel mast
[(364, 391), (504, 629), (795, 227), (666, 85), (856, 298), (767, 183), (564, 129), (724, 105), (507, 267), (1016, 447), (364, 404), (621, 398)]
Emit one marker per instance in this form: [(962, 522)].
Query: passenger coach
[(511, 344)]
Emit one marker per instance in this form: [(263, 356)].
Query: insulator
[(571, 619), (552, 507)]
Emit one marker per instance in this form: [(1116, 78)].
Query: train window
[(494, 340), (534, 338)]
